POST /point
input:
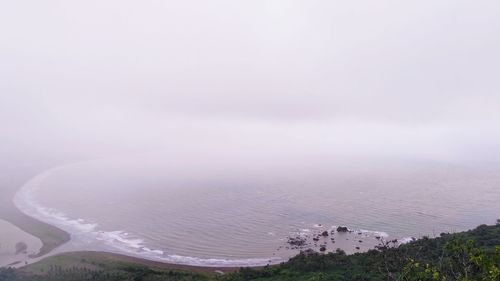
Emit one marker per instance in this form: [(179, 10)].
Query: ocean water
[(243, 211)]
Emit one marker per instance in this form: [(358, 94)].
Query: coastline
[(53, 237), (50, 236), (90, 258)]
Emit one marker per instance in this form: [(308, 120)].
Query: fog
[(373, 79)]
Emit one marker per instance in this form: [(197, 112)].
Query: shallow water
[(10, 235), (197, 213)]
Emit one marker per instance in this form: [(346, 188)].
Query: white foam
[(115, 241), (406, 240), (375, 233)]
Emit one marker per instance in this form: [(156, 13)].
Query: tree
[(460, 261)]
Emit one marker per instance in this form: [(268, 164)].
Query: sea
[(230, 210)]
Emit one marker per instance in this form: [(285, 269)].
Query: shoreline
[(53, 237), (79, 232), (88, 258)]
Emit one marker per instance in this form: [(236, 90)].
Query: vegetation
[(467, 256)]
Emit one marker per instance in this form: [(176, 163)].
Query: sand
[(43, 239), (12, 243), (50, 236)]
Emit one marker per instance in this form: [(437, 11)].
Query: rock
[(296, 241), (316, 239), (342, 229), (360, 241), (322, 248), (357, 248), (324, 234), (21, 247)]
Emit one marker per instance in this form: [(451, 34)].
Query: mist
[(373, 79), (219, 134)]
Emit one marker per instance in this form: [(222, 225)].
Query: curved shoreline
[(81, 257), (59, 229), (51, 237), (54, 236)]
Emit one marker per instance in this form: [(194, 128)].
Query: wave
[(114, 241), (406, 240), (375, 233)]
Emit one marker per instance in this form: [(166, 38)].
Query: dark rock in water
[(359, 233), (322, 248), (342, 229), (357, 248), (296, 241), (360, 241), (316, 239), (378, 237), (325, 233), (21, 247)]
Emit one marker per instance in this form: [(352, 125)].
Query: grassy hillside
[(471, 255)]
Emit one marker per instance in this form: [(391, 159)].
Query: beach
[(44, 240), (16, 246), (261, 226), (16, 222)]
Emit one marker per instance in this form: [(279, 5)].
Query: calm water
[(237, 212)]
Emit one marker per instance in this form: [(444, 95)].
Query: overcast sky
[(363, 78)]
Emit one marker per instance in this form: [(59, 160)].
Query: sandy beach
[(42, 239), (106, 242), (16, 246)]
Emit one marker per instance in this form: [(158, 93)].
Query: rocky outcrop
[(342, 229)]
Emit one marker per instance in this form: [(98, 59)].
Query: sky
[(376, 79)]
